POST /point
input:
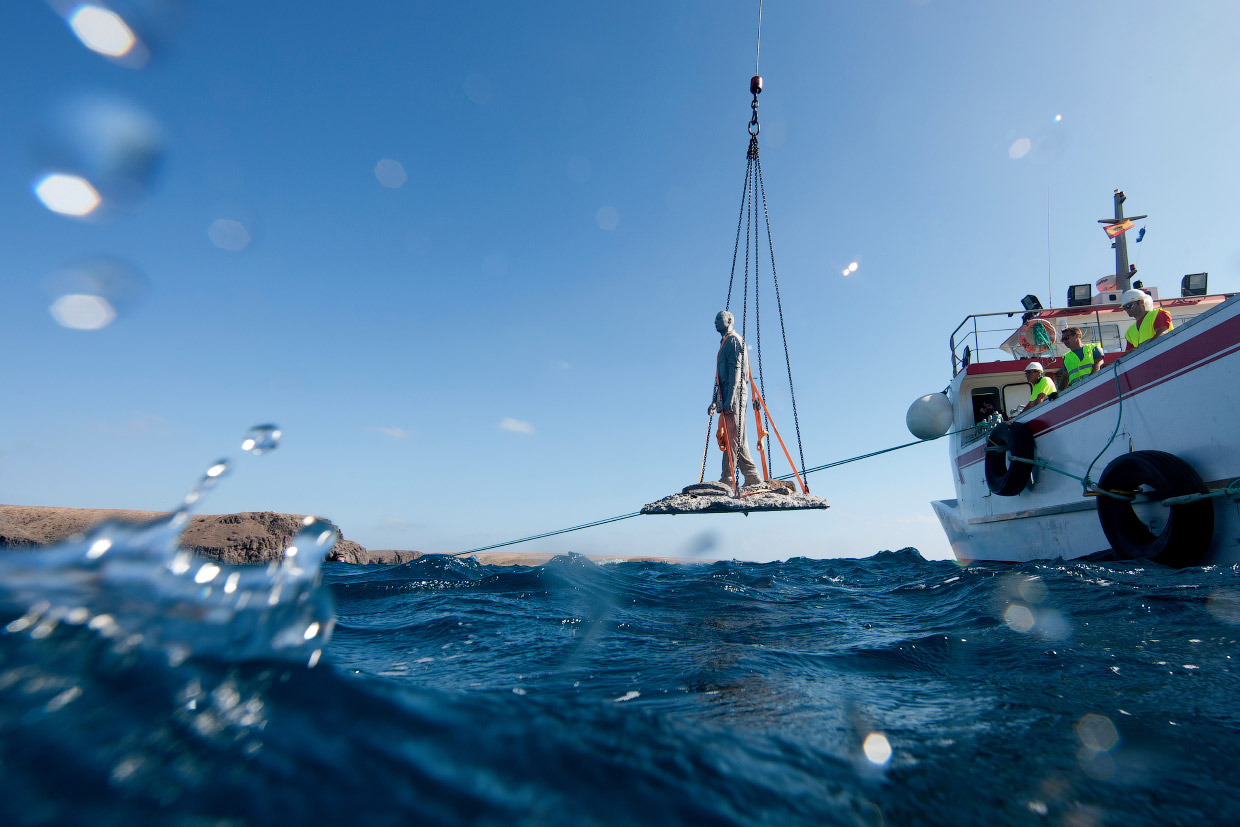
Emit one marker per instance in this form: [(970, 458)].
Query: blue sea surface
[(885, 690)]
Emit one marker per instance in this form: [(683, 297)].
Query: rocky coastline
[(248, 537)]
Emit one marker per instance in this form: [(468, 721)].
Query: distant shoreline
[(246, 537)]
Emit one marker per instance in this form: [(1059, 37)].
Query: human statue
[(731, 394)]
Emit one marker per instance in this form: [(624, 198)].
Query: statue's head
[(723, 322)]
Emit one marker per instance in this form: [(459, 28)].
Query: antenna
[(1049, 288)]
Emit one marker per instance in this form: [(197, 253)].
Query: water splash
[(134, 586), (261, 438)]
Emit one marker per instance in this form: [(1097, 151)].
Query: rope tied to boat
[(615, 519)]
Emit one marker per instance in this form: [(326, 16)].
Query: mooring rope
[(620, 517)]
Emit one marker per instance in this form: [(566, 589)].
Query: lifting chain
[(754, 190)]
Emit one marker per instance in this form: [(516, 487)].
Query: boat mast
[(1123, 275)]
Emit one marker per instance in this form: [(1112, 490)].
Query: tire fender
[(1005, 475), (1186, 535)]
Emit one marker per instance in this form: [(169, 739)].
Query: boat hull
[(1178, 394)]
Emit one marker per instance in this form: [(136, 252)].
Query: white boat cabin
[(992, 356)]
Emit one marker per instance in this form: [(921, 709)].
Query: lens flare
[(1097, 733), (607, 218), (91, 294), (102, 31), (229, 234), (478, 88), (67, 194), (1018, 618), (96, 150), (877, 748), (80, 312), (391, 174)]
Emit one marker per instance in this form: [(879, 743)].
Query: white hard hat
[(1034, 366), (1147, 301)]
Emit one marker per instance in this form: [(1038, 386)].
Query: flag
[(1119, 229), (1140, 235)]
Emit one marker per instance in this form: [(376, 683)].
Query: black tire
[(1185, 538), (1005, 477)]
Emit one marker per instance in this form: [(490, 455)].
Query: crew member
[(1080, 360), (1149, 323), (1043, 386), (731, 394)]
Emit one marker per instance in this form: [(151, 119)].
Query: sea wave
[(890, 689)]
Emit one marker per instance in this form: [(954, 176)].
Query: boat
[(1139, 460)]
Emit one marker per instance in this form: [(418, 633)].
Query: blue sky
[(519, 337)]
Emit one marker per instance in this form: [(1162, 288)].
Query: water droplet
[(83, 312), (207, 573), (125, 32), (316, 538), (1097, 733), (1019, 618), (99, 548), (229, 234), (478, 89), (607, 218), (94, 152), (877, 748), (311, 631), (102, 30), (67, 194), (261, 438), (390, 173), (93, 293)]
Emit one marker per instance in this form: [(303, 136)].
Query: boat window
[(983, 397), (1016, 395), (1106, 335)]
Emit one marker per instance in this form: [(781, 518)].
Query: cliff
[(249, 537)]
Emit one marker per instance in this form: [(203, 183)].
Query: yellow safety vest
[(1044, 385), (1138, 335), (1079, 368)]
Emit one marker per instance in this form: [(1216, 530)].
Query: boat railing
[(973, 339), (978, 341)]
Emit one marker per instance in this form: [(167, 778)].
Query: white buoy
[(929, 416)]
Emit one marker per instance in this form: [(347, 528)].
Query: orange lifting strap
[(795, 473)]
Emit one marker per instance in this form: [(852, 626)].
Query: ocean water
[(136, 688)]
